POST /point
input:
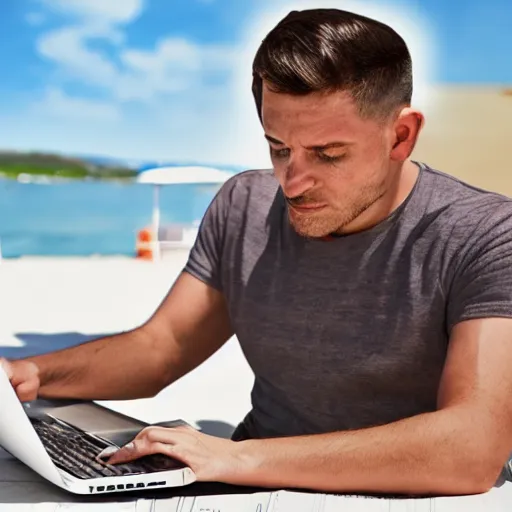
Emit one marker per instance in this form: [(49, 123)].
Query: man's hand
[(212, 459), (24, 377)]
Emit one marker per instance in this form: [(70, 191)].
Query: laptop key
[(76, 451)]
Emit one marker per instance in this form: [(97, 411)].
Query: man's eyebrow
[(322, 147), (274, 141)]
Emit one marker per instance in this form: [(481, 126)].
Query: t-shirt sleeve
[(205, 258), (482, 285)]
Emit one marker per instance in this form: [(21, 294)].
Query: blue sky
[(170, 79)]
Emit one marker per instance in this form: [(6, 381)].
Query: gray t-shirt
[(352, 332)]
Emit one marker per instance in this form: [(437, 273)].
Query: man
[(371, 295)]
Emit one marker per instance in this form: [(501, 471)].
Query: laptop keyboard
[(76, 452)]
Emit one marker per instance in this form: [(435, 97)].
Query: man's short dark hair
[(329, 50)]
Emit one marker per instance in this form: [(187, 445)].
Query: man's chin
[(310, 226), (310, 231)]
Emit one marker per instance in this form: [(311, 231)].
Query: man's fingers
[(149, 441), (138, 449), (107, 452), (24, 378), (26, 392), (127, 453), (6, 366), (161, 434)]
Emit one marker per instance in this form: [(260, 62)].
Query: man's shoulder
[(255, 186), (466, 214), (251, 178), (459, 199)]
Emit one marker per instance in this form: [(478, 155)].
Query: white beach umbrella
[(188, 175), (183, 175)]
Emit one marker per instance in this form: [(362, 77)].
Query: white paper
[(259, 502)]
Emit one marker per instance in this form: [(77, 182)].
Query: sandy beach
[(468, 134), (52, 303)]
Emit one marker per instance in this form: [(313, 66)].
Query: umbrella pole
[(156, 221)]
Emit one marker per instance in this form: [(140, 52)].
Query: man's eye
[(328, 158), (280, 153)]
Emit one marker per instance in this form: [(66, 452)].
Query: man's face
[(332, 165)]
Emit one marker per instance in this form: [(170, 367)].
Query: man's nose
[(296, 180)]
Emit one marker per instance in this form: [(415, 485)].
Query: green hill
[(13, 164)]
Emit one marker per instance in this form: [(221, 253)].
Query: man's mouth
[(306, 207)]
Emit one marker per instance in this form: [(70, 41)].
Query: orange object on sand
[(144, 245)]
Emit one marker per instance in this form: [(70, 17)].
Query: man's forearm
[(435, 453), (123, 366)]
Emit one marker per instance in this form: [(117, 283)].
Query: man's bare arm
[(458, 449), (190, 325)]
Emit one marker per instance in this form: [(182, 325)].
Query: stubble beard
[(326, 222)]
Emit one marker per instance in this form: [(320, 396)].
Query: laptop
[(61, 441)]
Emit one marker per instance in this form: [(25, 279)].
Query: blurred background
[(94, 92)]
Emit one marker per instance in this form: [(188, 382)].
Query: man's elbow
[(477, 470), (492, 468)]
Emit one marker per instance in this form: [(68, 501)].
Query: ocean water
[(87, 218)]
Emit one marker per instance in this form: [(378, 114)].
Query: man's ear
[(406, 130)]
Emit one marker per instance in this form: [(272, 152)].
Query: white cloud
[(185, 55), (107, 11), (35, 18), (168, 52), (174, 65), (57, 104), (67, 47)]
